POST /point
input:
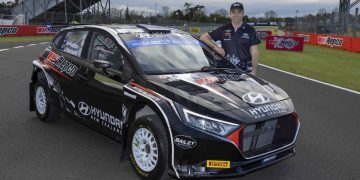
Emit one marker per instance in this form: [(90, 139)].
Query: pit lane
[(328, 146)]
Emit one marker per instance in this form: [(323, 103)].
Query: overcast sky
[(252, 7)]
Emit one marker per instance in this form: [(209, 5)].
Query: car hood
[(217, 91)]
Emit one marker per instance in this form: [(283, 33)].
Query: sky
[(253, 8)]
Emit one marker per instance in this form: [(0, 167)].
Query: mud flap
[(31, 96)]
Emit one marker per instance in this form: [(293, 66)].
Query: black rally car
[(170, 100)]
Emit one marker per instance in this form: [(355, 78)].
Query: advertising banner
[(12, 30), (285, 43), (263, 34)]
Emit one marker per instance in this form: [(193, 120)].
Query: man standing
[(238, 41)]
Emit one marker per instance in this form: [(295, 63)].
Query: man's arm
[(255, 58), (207, 39)]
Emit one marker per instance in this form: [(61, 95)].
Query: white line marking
[(43, 43), (3, 50), (31, 45), (338, 87), (19, 47)]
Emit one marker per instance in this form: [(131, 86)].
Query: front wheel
[(149, 157), (43, 107)]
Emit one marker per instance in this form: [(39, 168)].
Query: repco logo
[(287, 43), (330, 41), (8, 30)]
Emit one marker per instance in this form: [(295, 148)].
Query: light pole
[(296, 20)]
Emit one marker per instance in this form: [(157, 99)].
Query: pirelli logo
[(217, 164)]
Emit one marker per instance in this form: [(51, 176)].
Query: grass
[(25, 38), (333, 66)]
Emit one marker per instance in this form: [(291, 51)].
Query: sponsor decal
[(269, 159), (331, 41), (154, 35), (227, 34), (305, 36), (146, 93), (206, 80), (61, 64), (45, 30), (217, 164), (266, 110), (124, 111), (185, 142), (229, 77), (245, 35), (280, 42), (70, 47), (100, 116), (8, 30), (255, 98)]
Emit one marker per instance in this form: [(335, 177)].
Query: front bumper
[(236, 168)]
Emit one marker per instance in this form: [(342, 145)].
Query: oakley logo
[(84, 108), (255, 98)]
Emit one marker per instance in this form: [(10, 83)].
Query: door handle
[(82, 77)]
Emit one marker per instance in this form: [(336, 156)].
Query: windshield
[(162, 53)]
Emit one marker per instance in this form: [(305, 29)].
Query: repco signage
[(285, 43), (288, 43), (8, 30), (331, 41)]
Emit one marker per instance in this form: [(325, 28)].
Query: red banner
[(9, 30), (285, 43), (264, 34), (332, 41)]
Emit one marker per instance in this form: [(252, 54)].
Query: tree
[(178, 15), (127, 14), (166, 10), (270, 14), (222, 12)]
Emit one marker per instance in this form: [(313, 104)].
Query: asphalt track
[(328, 145)]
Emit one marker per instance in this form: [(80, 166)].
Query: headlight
[(209, 124)]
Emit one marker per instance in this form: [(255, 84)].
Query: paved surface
[(327, 148)]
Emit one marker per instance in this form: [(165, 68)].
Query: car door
[(67, 58), (100, 97)]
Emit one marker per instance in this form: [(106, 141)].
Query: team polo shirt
[(237, 44)]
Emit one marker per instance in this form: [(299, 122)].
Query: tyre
[(148, 148), (44, 109)]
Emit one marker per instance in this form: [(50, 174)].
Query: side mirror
[(102, 64)]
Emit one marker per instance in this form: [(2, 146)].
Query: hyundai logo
[(255, 98), (84, 108)]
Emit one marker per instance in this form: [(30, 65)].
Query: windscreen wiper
[(212, 68)]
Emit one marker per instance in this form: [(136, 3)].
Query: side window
[(104, 48), (57, 40), (74, 42)]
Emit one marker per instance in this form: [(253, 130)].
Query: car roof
[(129, 28)]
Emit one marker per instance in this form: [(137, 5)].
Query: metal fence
[(330, 23)]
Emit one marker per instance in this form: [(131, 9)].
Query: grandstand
[(63, 11)]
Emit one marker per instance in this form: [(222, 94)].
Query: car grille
[(269, 135)]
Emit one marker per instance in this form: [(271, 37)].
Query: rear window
[(74, 42)]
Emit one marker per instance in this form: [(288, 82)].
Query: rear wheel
[(43, 107), (149, 157)]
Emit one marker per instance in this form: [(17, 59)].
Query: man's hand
[(220, 50), (253, 72), (207, 39)]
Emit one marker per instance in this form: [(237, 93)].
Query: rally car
[(173, 103)]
